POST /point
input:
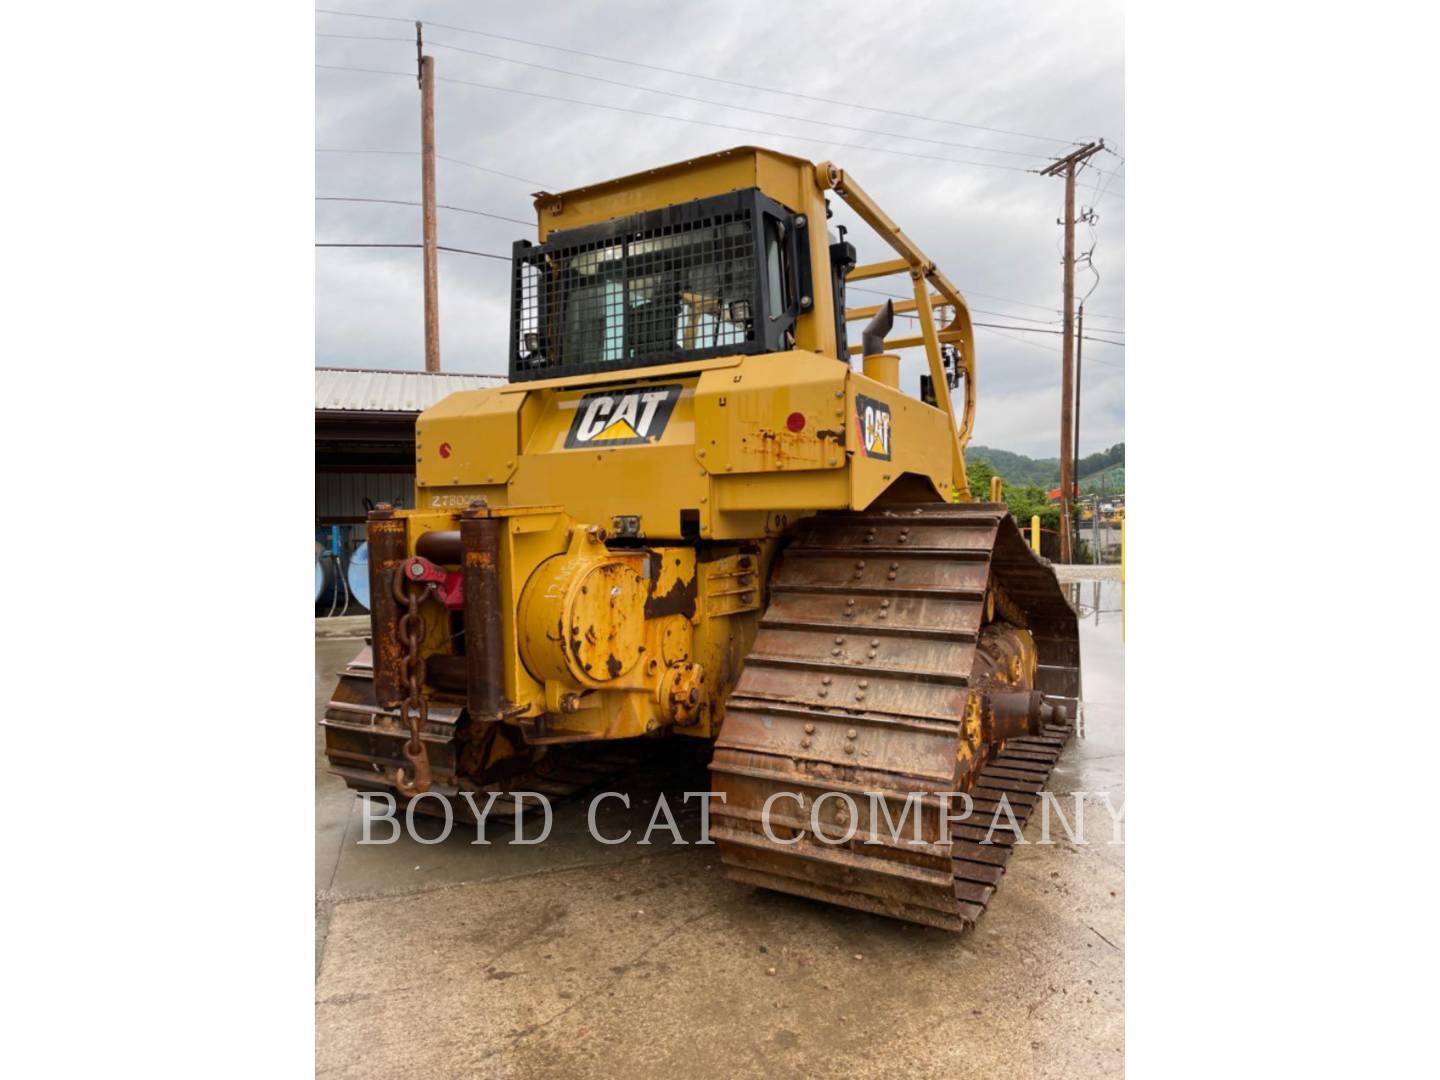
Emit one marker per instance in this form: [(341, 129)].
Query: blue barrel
[(358, 575), (322, 571)]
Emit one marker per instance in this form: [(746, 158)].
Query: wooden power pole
[(1066, 167), (426, 76), (1079, 352)]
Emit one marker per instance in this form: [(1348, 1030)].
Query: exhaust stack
[(873, 336)]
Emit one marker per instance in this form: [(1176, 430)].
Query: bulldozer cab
[(725, 255), (718, 276)]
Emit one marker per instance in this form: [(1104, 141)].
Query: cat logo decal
[(872, 421), (622, 417)]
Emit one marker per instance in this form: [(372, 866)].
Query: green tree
[(979, 474), (1020, 469), (1025, 502)]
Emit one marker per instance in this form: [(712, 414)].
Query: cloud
[(1052, 70)]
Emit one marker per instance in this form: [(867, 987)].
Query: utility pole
[(426, 76), (1066, 167), (1089, 217), (1079, 348)]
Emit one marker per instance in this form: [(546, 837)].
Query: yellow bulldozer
[(689, 515)]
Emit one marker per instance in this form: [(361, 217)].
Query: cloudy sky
[(982, 82)]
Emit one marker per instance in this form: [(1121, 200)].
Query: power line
[(482, 168), (992, 296), (1000, 328), (665, 116), (1047, 348), (681, 119), (689, 97), (438, 247), (1099, 190), (439, 157), (993, 327), (1037, 330), (696, 75), (1088, 258), (1080, 165), (507, 258), (852, 288), (1006, 299), (406, 202), (1020, 329), (1024, 341), (372, 71), (982, 311), (1012, 315), (486, 255)]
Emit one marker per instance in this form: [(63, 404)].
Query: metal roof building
[(365, 435), (354, 390)]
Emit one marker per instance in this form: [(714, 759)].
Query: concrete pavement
[(578, 959)]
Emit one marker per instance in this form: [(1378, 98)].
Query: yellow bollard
[(1035, 536)]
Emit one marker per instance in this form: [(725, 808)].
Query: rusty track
[(872, 642), (364, 746)]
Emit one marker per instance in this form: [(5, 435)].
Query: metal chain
[(414, 710)]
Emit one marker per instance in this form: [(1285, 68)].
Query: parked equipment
[(332, 578), (357, 575), (687, 515)]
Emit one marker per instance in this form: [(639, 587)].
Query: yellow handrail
[(924, 275)]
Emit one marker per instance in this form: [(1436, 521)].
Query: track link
[(859, 681), (363, 744)]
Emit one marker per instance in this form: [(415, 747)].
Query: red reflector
[(795, 421), (444, 449)]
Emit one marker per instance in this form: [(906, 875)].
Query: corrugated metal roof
[(354, 390)]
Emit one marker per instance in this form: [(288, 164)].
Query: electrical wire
[(997, 328), (982, 311), (696, 75), (438, 157), (664, 116), (1101, 187), (991, 296), (1048, 348), (507, 258), (406, 202), (680, 119), (430, 42), (1021, 329), (852, 288), (1089, 258), (1036, 330), (1024, 341), (438, 247)]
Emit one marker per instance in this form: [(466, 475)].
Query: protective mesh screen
[(654, 294)]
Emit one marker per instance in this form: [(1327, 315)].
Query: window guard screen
[(699, 279)]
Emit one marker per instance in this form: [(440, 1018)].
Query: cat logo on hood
[(872, 422), (622, 417)]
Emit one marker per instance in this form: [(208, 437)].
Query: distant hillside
[(1019, 469), (1108, 481)]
